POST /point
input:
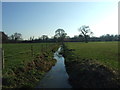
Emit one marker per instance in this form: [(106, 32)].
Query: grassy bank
[(104, 52), (26, 64), (93, 64)]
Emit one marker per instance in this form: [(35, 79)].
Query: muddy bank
[(84, 73), (28, 74)]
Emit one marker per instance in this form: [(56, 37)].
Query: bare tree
[(86, 32)]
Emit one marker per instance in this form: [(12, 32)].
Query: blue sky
[(43, 18)]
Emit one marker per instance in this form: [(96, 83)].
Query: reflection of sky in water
[(57, 77)]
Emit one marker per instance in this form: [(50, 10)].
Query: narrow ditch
[(57, 77)]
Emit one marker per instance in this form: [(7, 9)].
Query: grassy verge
[(104, 52), (23, 68), (92, 65)]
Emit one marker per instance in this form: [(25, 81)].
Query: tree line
[(60, 36)]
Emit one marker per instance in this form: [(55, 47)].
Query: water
[(57, 77)]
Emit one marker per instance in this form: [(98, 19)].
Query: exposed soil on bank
[(86, 73), (29, 74)]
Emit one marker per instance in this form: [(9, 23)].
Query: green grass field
[(15, 54), (104, 52), (20, 68), (26, 63)]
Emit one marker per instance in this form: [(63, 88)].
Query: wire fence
[(3, 59), (30, 52)]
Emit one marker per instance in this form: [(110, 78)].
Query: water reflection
[(57, 77)]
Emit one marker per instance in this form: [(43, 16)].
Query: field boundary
[(88, 73), (31, 73)]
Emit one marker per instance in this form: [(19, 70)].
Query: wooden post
[(42, 48), (2, 58), (46, 47), (31, 50)]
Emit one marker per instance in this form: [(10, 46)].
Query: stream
[(57, 77)]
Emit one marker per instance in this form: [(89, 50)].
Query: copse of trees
[(109, 37), (60, 37), (16, 36), (106, 37), (44, 37)]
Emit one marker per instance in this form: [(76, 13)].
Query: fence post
[(42, 48), (32, 50), (3, 59)]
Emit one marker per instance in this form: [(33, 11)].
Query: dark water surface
[(57, 77)]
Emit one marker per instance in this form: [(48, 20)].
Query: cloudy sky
[(43, 18)]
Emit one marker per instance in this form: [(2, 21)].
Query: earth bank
[(27, 75), (88, 73)]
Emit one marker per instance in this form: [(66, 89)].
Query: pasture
[(104, 52), (15, 54), (26, 63), (93, 64)]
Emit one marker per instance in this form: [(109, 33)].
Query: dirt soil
[(84, 73), (88, 74)]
